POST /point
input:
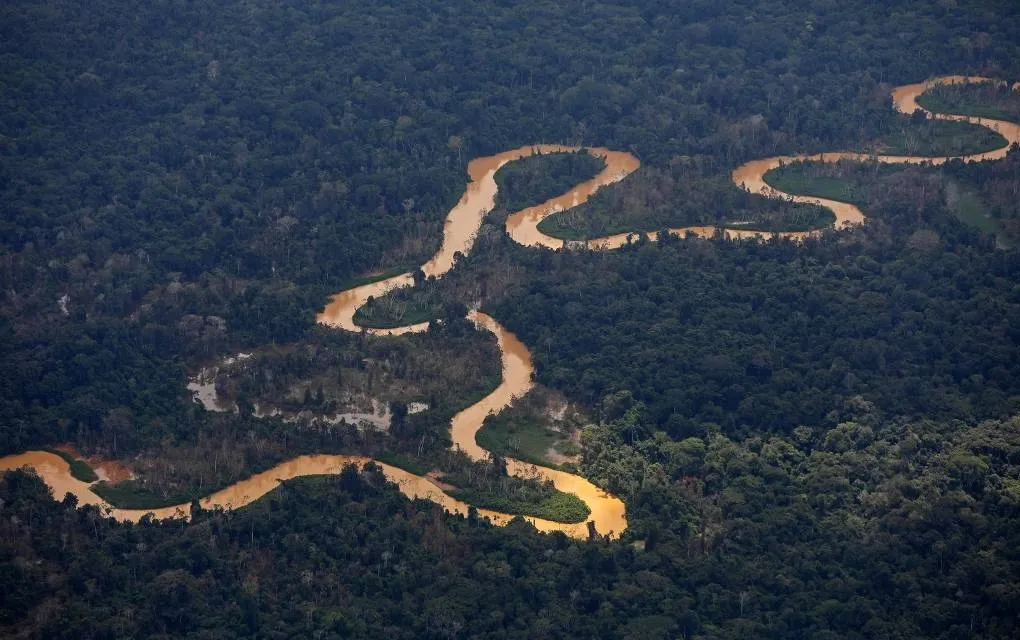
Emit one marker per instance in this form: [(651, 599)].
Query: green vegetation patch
[(376, 277), (541, 421), (969, 208), (417, 466), (559, 225), (524, 440), (804, 179), (538, 178), (929, 137), (484, 485), (80, 470), (485, 488), (132, 494), (801, 218), (865, 185), (558, 506), (985, 100), (387, 315), (403, 306), (691, 192)]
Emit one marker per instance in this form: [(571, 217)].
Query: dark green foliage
[(487, 484), (766, 337), (536, 179), (690, 191), (133, 495), (1000, 101), (518, 439), (400, 308), (823, 180), (773, 535), (522, 184), (540, 428), (938, 138), (996, 187), (82, 471), (980, 195)]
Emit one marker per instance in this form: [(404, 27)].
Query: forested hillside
[(812, 440)]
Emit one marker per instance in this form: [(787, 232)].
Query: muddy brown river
[(462, 223), (607, 512)]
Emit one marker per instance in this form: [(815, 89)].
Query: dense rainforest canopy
[(812, 441)]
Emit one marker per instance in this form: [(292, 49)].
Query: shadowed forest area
[(812, 440)]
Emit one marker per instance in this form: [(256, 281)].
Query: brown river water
[(462, 223)]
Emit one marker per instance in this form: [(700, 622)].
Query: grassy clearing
[(984, 100), (554, 505), (971, 210), (132, 495), (524, 440), (804, 179), (535, 179), (940, 138), (939, 105), (795, 179), (968, 207)]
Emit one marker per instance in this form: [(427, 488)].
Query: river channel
[(608, 513)]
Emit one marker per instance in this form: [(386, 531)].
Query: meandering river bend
[(608, 513)]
